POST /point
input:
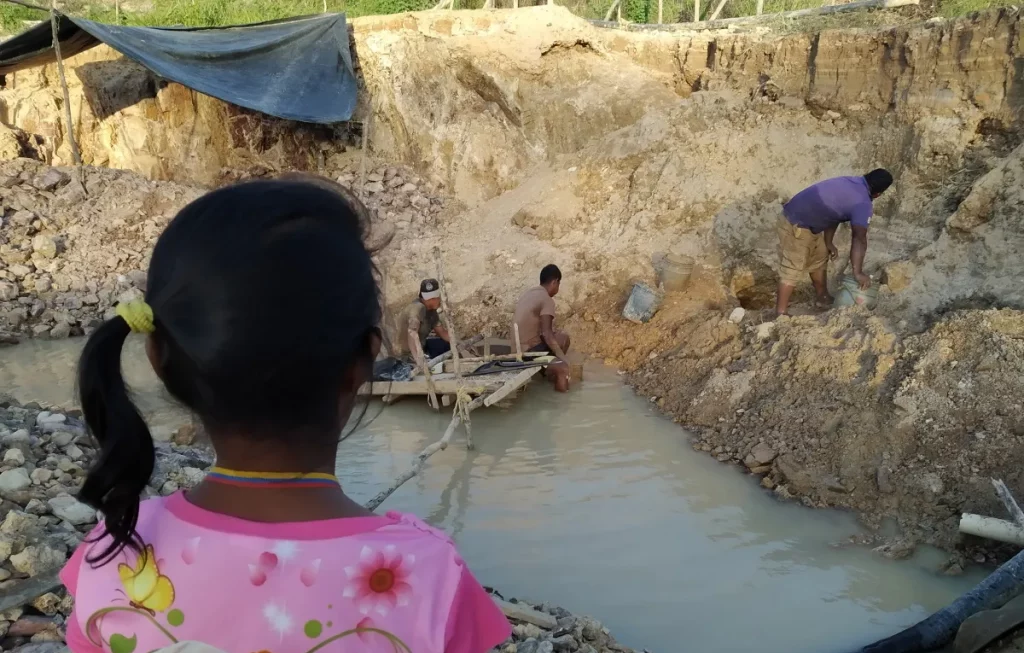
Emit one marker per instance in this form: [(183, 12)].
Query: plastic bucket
[(850, 294), (642, 304), (675, 272)]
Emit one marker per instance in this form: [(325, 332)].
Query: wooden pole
[(69, 124), (440, 445), (117, 12), (515, 4), (696, 11), (446, 313), (618, 12), (612, 9), (513, 384), (760, 7), (661, 11), (519, 346), (718, 9), (448, 354), (362, 154), (1011, 504), (487, 346)]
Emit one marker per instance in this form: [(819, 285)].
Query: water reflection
[(594, 502)]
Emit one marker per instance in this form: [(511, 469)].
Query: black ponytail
[(127, 456)]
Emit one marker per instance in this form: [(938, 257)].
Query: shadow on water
[(594, 502)]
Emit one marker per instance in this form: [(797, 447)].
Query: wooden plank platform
[(445, 384)]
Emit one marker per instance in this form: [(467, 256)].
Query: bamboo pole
[(453, 339), (661, 11), (448, 354), (1003, 493), (515, 4), (696, 11), (513, 384), (362, 154), (612, 9), (519, 346), (618, 12), (117, 12), (487, 346), (69, 124), (440, 445), (718, 9), (760, 7), (857, 5)]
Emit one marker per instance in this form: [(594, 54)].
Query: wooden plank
[(526, 614), (421, 388), (518, 381), (718, 10)]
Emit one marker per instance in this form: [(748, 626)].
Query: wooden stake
[(696, 11), (618, 12), (519, 346), (362, 155), (69, 124), (117, 12), (661, 11), (718, 9), (515, 4), (612, 9), (760, 7), (487, 346), (1011, 504), (446, 313)]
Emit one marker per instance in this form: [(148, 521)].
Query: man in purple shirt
[(808, 223)]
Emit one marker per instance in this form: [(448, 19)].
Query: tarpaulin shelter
[(297, 69)]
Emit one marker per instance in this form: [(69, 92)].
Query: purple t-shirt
[(827, 203)]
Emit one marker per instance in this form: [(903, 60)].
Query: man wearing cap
[(420, 334)]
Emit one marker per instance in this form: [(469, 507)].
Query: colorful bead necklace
[(271, 479)]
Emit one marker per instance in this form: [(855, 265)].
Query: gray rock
[(14, 480), (564, 643), (14, 457), (62, 438), (534, 646), (61, 331), (43, 647), (374, 187), (74, 453), (41, 475), (71, 510), (19, 271), (44, 284), (36, 507), (20, 523), (883, 478), (6, 547), (45, 246), (21, 436), (762, 454), (8, 291), (38, 559), (46, 417), (51, 180)]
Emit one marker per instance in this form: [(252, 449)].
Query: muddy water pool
[(594, 502)]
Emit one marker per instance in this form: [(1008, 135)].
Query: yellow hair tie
[(138, 315)]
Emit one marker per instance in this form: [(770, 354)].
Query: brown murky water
[(594, 502)]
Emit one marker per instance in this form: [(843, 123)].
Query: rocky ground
[(45, 455)]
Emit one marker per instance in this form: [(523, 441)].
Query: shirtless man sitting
[(535, 316)]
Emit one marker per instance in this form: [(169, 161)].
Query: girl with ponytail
[(260, 316)]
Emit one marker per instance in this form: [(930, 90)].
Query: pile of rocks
[(43, 458), (74, 243), (404, 205), (545, 628)]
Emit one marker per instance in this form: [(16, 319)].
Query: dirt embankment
[(528, 123)]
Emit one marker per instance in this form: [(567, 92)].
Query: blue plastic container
[(642, 304)]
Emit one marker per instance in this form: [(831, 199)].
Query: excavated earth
[(513, 139)]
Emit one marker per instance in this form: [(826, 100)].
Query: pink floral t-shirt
[(369, 584)]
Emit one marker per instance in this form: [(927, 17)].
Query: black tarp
[(298, 69)]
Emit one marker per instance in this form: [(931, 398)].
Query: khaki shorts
[(800, 252)]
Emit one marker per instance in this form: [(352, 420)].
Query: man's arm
[(442, 333), (830, 233), (547, 333), (858, 248)]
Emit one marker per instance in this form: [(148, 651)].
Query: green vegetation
[(208, 13)]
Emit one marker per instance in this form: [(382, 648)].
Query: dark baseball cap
[(430, 288)]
